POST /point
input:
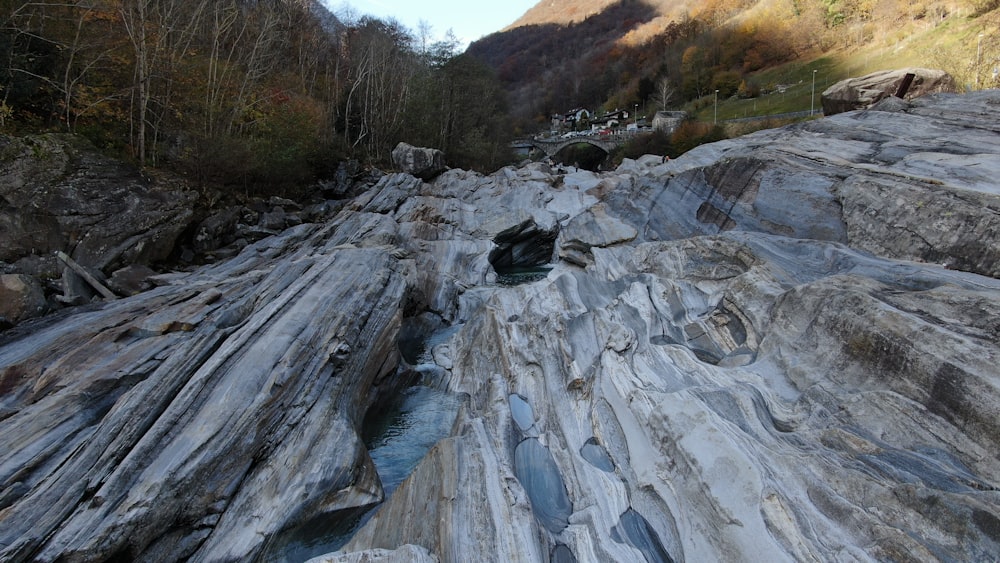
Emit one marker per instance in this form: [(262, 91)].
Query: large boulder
[(424, 163), (21, 297), (859, 93)]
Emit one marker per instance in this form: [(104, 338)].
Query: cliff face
[(781, 347)]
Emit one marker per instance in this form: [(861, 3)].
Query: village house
[(570, 119), (609, 120), (668, 121)]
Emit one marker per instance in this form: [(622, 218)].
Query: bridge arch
[(606, 143)]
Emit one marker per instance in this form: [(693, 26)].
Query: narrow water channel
[(398, 433), (509, 277)]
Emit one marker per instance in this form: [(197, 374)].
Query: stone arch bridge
[(551, 146)]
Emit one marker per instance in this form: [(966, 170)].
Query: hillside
[(561, 12), (664, 54), (565, 12)]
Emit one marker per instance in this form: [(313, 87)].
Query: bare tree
[(161, 32), (381, 69), (222, 20), (136, 18), (664, 93)]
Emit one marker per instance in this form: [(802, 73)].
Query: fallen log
[(97, 285)]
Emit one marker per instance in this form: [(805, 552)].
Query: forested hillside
[(259, 94), (665, 53)]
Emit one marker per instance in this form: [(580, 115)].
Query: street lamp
[(979, 54), (812, 96), (715, 120), (636, 116)]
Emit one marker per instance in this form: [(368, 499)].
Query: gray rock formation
[(888, 182), (743, 382), (865, 91), (424, 163), (750, 352), (59, 194), (217, 230)]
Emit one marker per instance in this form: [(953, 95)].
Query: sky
[(468, 19)]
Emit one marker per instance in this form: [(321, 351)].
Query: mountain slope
[(604, 54), (560, 12), (566, 12)]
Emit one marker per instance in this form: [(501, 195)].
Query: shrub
[(692, 133), (656, 142), (748, 90), (727, 82)]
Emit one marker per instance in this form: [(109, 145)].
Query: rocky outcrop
[(740, 382), (58, 193), (727, 356), (424, 163), (865, 91), (705, 405)]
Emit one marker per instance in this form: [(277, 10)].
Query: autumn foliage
[(239, 92)]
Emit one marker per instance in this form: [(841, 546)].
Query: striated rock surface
[(893, 183), (201, 417), (740, 383), (754, 351)]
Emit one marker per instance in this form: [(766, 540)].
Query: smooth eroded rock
[(201, 417), (405, 554)]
